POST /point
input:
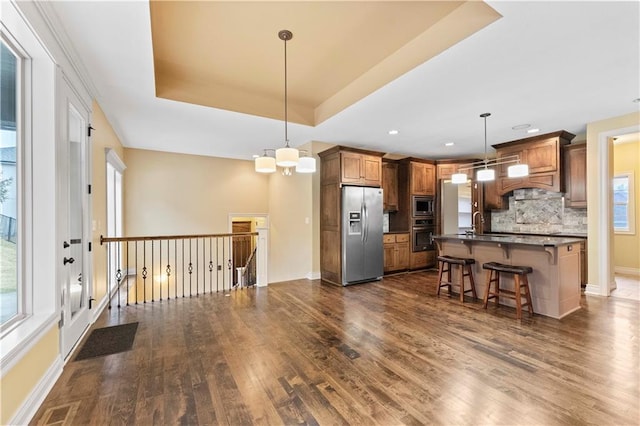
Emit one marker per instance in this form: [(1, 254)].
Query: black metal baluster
[(152, 274), (197, 268), (160, 268), (204, 269), (210, 265), (217, 263), (169, 271), (127, 273), (109, 272), (144, 271), (136, 283), (118, 274), (183, 268), (175, 259), (190, 269)]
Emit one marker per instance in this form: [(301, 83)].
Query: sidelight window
[(623, 203)]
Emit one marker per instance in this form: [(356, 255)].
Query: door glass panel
[(9, 289), (76, 282)]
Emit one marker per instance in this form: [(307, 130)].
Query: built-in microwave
[(422, 205)]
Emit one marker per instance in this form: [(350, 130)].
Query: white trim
[(115, 161), (98, 310), (605, 209), (592, 290), (313, 275), (19, 341), (623, 270), (32, 403)]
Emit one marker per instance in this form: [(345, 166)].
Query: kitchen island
[(555, 281)]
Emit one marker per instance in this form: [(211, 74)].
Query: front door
[(72, 163)]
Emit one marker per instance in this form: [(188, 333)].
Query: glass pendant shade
[(459, 178), (306, 165), (265, 164), (518, 170), (484, 175), (287, 157)]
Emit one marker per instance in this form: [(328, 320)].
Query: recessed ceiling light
[(393, 132), (533, 130), (255, 156), (449, 144), (521, 126)]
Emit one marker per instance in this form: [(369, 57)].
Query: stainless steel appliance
[(422, 205), (362, 249), (422, 231)]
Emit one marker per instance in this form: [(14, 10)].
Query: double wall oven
[(423, 223)]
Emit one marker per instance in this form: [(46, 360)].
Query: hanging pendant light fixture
[(484, 173), (286, 157)]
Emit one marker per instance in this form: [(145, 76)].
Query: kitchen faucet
[(473, 221)]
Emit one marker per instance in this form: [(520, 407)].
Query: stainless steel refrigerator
[(362, 249)]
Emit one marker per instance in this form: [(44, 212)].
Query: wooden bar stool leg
[(487, 288), (449, 278), (473, 284), (440, 270), (528, 294), (461, 283), (518, 295)]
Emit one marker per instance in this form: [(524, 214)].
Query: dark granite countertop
[(552, 234), (531, 240), (396, 232)]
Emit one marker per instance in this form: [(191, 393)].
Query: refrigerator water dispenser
[(355, 225)]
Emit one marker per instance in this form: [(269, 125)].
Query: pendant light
[(286, 156), (486, 174)]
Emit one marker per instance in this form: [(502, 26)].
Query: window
[(10, 291), (623, 203)]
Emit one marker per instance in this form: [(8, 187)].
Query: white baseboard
[(623, 270), (37, 396), (593, 290), (98, 310), (313, 275)]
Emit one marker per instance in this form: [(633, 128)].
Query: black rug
[(108, 340)]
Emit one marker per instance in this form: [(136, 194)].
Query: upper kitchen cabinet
[(575, 175), (422, 177), (390, 186), (542, 153), (352, 166)]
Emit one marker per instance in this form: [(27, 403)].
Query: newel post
[(262, 257)]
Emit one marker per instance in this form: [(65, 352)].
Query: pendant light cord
[(485, 115), (286, 135)]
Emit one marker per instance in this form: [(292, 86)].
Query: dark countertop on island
[(531, 240)]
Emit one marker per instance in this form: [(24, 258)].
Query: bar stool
[(465, 271), (521, 283)]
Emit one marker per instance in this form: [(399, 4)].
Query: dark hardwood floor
[(383, 353)]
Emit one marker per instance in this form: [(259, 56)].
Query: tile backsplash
[(536, 211)]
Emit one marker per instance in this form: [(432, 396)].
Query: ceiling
[(194, 84)]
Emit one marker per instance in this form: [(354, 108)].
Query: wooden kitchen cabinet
[(575, 175), (445, 170), (422, 259), (543, 155), (396, 252), (389, 186), (491, 199), (361, 169), (422, 178)]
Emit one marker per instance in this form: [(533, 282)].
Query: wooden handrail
[(174, 237)]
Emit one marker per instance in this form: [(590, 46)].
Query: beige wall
[(18, 383), (102, 137), (168, 193), (626, 248), (595, 176)]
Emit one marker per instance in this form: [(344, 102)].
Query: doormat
[(108, 340)]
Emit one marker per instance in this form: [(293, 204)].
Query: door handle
[(69, 260)]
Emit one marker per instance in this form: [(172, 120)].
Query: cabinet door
[(389, 257), (444, 171), (491, 199), (351, 167), (390, 186), (576, 176), (423, 179), (403, 255), (371, 170), (542, 156)]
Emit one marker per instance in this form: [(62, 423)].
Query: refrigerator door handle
[(362, 221), (366, 222)]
